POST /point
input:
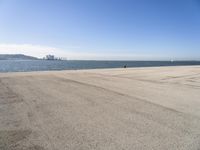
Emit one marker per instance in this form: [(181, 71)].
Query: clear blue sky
[(143, 29)]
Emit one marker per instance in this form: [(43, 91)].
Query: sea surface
[(45, 65)]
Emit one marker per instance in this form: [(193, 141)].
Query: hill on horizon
[(16, 57)]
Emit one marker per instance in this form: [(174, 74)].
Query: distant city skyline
[(101, 29)]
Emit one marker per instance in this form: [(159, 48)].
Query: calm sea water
[(44, 65)]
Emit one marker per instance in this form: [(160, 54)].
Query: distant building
[(50, 57)]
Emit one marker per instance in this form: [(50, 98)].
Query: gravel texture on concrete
[(107, 109)]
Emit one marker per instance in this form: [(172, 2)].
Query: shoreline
[(32, 66), (96, 69)]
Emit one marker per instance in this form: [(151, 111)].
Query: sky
[(102, 29)]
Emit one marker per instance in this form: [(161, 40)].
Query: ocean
[(45, 65)]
